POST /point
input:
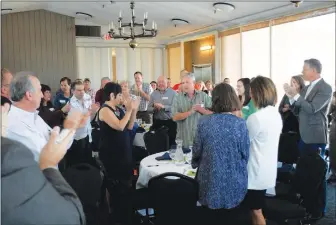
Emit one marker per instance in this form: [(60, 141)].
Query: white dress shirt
[(29, 129), (310, 87), (264, 128), (82, 106)]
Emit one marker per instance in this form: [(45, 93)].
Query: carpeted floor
[(330, 217)]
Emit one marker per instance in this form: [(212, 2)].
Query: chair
[(86, 180), (288, 153), (157, 140), (174, 198)]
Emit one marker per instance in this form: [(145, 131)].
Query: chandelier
[(119, 32)]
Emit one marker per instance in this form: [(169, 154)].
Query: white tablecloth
[(150, 167)]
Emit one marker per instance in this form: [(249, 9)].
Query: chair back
[(174, 198), (288, 151), (157, 140), (86, 180)]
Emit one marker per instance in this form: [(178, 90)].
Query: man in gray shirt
[(160, 104)]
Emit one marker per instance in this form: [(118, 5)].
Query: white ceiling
[(200, 14)]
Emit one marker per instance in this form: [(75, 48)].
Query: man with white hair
[(24, 123), (160, 104), (188, 107)]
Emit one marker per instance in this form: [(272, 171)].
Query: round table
[(150, 167)]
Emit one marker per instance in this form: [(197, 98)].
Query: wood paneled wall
[(39, 41)]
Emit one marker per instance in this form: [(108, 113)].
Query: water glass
[(172, 153)]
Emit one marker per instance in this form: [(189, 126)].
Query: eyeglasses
[(5, 85)]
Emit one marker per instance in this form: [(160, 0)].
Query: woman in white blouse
[(264, 127)]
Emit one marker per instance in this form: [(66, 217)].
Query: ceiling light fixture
[(223, 7), (119, 33), (178, 22), (8, 10), (84, 16), (296, 3)]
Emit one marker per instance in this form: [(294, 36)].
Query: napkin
[(165, 156), (185, 150)]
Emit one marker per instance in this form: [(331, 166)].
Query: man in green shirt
[(188, 107)]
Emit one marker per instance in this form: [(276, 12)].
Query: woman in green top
[(243, 89)]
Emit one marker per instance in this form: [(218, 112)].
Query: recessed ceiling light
[(223, 7), (178, 22), (8, 10), (84, 16), (296, 3)]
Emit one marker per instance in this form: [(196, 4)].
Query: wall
[(204, 57), (39, 41), (188, 58), (174, 62)]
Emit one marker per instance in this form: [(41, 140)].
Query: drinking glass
[(172, 153), (189, 155)]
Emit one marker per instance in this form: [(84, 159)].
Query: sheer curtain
[(256, 53), (231, 58), (294, 42)]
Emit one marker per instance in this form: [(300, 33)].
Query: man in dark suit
[(311, 106), (36, 193)]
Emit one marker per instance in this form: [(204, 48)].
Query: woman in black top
[(47, 111), (290, 121), (116, 152), (243, 89)]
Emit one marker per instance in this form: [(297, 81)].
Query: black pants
[(80, 152), (171, 125), (144, 115)]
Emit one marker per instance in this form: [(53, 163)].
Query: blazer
[(312, 113), (32, 196)]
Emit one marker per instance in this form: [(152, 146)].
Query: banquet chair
[(288, 154), (157, 140), (86, 180), (174, 197)]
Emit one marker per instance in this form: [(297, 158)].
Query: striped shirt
[(147, 88), (186, 128)]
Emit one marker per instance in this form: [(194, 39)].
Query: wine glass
[(189, 155)]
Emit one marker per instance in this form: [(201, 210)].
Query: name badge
[(164, 98), (52, 109), (62, 101)]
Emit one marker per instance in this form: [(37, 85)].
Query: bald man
[(160, 104)]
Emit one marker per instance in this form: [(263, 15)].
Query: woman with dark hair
[(47, 111), (264, 128), (221, 152), (116, 152), (243, 89), (290, 121)]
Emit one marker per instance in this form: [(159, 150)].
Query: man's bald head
[(162, 83)]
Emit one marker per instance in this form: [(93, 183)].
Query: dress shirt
[(186, 129), (310, 87), (166, 98), (29, 129), (147, 88), (83, 106), (264, 128)]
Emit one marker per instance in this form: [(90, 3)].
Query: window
[(231, 56), (294, 42), (256, 53)]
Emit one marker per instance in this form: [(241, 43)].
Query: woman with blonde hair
[(264, 128), (290, 121)]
